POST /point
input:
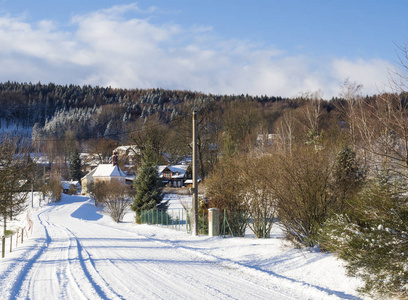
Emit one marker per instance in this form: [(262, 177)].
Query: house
[(175, 175), (70, 187), (108, 173), (104, 173), (89, 161), (128, 153), (87, 179)]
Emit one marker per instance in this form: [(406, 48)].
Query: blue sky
[(278, 48)]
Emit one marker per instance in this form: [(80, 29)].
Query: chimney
[(115, 158)]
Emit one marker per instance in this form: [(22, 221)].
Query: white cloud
[(372, 74), (107, 48)]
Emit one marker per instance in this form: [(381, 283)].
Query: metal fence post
[(11, 243), (3, 246), (223, 224)]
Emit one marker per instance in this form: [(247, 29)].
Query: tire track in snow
[(136, 283), (23, 272), (73, 269), (56, 255), (91, 273), (67, 285), (206, 267), (15, 270), (253, 274), (66, 279)]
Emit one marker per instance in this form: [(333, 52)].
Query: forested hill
[(86, 109)]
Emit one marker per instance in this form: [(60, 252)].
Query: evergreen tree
[(15, 168), (372, 238), (348, 174), (75, 166), (148, 185)]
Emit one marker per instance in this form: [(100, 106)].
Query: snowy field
[(77, 252)]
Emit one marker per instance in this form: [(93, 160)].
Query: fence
[(177, 219), (8, 242), (235, 223), (232, 223)]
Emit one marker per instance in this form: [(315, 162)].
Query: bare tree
[(102, 148), (286, 128), (150, 133), (351, 92), (208, 132), (382, 126), (312, 112)]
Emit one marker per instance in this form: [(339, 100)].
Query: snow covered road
[(74, 254)]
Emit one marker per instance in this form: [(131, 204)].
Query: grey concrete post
[(213, 222)]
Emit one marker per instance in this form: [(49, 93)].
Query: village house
[(130, 156), (89, 161), (71, 187), (174, 176), (104, 173)]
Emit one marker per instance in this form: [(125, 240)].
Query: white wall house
[(103, 173)]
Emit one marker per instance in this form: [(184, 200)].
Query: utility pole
[(195, 188)]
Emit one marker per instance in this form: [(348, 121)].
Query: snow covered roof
[(108, 170), (89, 174), (178, 171), (125, 148), (39, 158), (66, 184)]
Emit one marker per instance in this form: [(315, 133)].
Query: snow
[(108, 170), (77, 252)]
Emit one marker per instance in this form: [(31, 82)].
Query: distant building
[(71, 187), (264, 140), (128, 153), (108, 173), (174, 176), (103, 173)]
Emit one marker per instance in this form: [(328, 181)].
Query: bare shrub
[(115, 197), (303, 188), (225, 191), (258, 195), (55, 188)]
